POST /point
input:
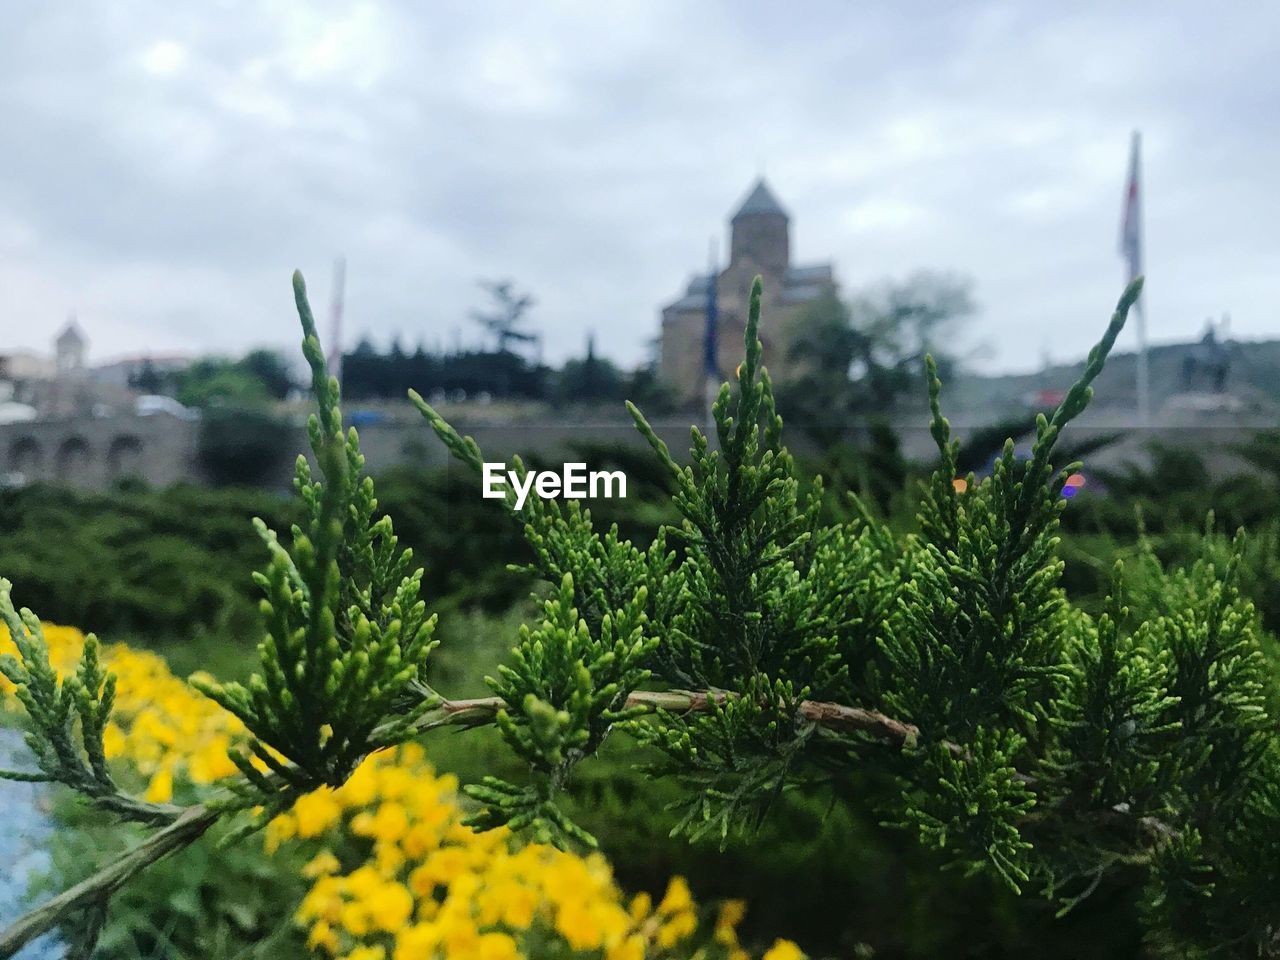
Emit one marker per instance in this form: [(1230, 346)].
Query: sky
[(164, 167)]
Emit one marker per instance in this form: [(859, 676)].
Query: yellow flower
[(389, 857), (322, 902), (355, 919), (518, 906), (211, 762), (315, 812), (497, 946), (419, 839), (160, 789), (362, 787), (731, 914), (576, 924), (641, 904), (323, 864), (678, 897), (280, 829), (422, 882), (416, 942), (460, 937), (430, 885), (784, 950), (631, 948), (113, 742), (322, 936), (446, 864), (677, 928), (388, 824), (391, 908)]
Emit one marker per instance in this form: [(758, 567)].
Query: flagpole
[(711, 344), (335, 319), (1144, 372), (1131, 247)]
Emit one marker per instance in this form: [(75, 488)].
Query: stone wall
[(161, 450), (93, 453)]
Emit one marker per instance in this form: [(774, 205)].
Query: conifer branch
[(1028, 738), (66, 718)]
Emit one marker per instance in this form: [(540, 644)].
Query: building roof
[(695, 296), (803, 284), (760, 202), (811, 273), (71, 333), (800, 284)]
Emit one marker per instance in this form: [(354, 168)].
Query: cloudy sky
[(163, 167)]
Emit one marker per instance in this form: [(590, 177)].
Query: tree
[(857, 358), (271, 369), (502, 319), (913, 318), (148, 379), (943, 676), (590, 379), (216, 381), (252, 381), (243, 446)]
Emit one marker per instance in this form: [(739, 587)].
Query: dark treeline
[(497, 371), (368, 374)]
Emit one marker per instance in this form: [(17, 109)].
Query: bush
[(244, 446), (348, 868), (160, 565), (941, 678)]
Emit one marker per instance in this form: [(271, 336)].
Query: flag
[(1131, 223)]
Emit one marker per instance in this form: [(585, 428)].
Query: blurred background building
[(759, 244)]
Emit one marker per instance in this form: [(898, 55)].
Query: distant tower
[(70, 347), (589, 376), (761, 232), (702, 329)]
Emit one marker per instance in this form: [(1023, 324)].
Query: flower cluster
[(159, 726), (395, 874)]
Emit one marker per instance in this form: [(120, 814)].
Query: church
[(760, 243)]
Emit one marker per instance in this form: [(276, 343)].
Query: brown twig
[(836, 716)]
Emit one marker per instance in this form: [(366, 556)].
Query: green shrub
[(942, 679)]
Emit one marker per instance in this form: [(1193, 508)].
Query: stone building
[(70, 349), (760, 243)]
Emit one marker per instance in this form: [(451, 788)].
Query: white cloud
[(164, 56), (589, 151)]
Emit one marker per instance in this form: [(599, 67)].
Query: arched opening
[(73, 460), (26, 457), (124, 457)]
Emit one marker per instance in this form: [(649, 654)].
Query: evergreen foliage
[(757, 648), (347, 635), (67, 718)]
